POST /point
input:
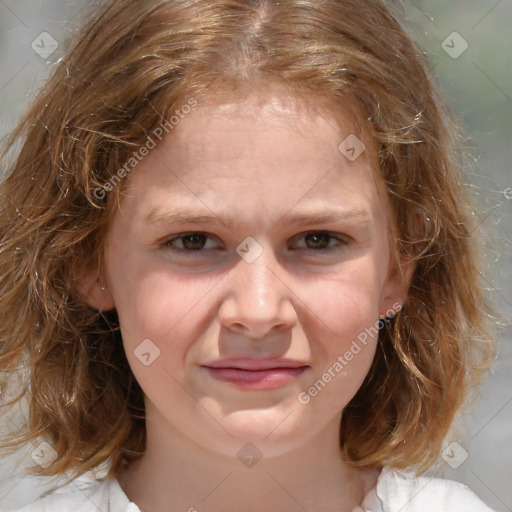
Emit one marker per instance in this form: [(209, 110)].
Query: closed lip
[(255, 364)]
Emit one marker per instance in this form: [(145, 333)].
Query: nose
[(258, 301)]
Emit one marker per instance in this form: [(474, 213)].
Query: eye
[(189, 242), (195, 242), (318, 241)]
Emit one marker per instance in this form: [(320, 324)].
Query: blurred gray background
[(469, 44)]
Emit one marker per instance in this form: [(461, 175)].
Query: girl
[(238, 264)]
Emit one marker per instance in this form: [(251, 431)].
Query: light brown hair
[(132, 64)]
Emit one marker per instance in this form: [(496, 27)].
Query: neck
[(177, 474)]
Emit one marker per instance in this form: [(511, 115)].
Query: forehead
[(264, 150), (290, 126), (318, 119)]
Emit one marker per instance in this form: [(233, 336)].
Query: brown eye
[(318, 240), (188, 242), (321, 242), (194, 242)]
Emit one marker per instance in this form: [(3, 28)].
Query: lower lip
[(256, 379)]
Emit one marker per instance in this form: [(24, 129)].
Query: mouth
[(256, 374)]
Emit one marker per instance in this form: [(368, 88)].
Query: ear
[(96, 294), (396, 286)]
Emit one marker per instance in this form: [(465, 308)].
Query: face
[(248, 256)]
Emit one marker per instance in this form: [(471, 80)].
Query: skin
[(258, 163)]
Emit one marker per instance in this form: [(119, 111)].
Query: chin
[(260, 431)]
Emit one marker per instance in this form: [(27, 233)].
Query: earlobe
[(94, 292)]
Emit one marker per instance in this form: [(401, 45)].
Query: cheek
[(344, 320), (161, 316), (347, 301), (162, 306)]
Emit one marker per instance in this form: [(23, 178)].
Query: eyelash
[(342, 242)]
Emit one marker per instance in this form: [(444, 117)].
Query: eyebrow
[(191, 216)]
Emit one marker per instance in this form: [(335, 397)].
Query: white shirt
[(393, 492)]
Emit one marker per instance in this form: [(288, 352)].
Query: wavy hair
[(129, 66)]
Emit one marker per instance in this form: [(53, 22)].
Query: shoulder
[(403, 492), (83, 496)]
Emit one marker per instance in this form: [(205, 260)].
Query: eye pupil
[(198, 241), (319, 238)]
